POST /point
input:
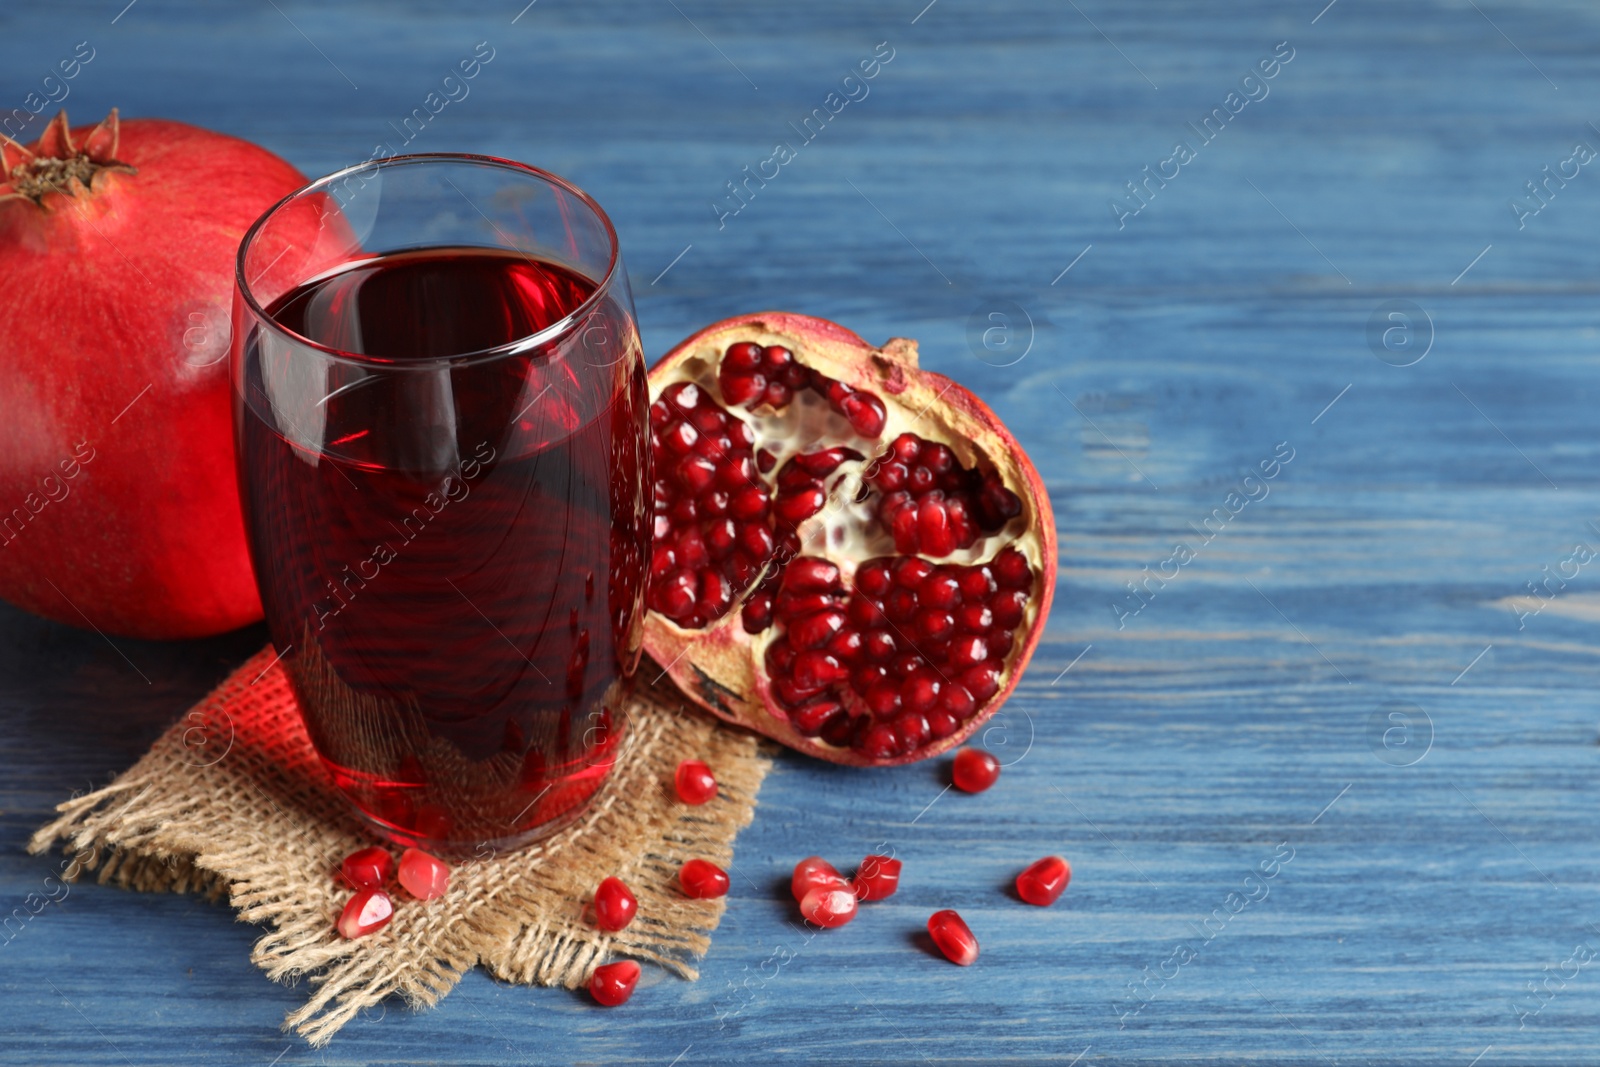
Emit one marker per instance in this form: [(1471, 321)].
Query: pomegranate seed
[(912, 730), (614, 905), (920, 692), (846, 645), (814, 872), (680, 437), (722, 537), (939, 591), (749, 503), (974, 618), (883, 700), (934, 625), (780, 656), (366, 869), (879, 742), (865, 614), (982, 681), (878, 646), (1007, 607), (715, 594), (905, 665), (967, 651), (978, 584), (911, 572), (694, 782), (957, 702), (954, 937), (791, 694), (368, 910), (757, 613), (742, 356), (1011, 569), (814, 630), (877, 877), (423, 876), (936, 457), (842, 730), (811, 719), (974, 770), (873, 578), (828, 906), (777, 395), (675, 597), (1044, 881), (865, 413), (703, 880), (901, 605), (814, 668), (742, 388), (794, 605), (890, 477), (818, 464), (942, 723), (613, 983), (934, 535), (865, 677), (696, 474), (801, 506), (809, 574)]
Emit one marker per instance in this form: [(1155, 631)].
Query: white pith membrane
[(847, 531)]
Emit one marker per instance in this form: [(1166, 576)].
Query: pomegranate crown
[(54, 164)]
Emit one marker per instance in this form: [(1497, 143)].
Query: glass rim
[(511, 348)]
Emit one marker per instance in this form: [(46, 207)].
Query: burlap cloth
[(233, 800)]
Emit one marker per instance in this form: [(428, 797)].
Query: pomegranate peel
[(118, 243), (852, 555)]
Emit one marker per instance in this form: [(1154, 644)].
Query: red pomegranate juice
[(451, 555)]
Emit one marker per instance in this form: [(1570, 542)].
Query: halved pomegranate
[(852, 555)]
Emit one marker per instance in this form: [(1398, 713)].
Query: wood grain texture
[(1209, 734)]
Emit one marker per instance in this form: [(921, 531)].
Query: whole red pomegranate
[(852, 555), (119, 507)]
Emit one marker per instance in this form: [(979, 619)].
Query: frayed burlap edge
[(232, 801)]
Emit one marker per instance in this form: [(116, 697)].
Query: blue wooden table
[(1327, 779)]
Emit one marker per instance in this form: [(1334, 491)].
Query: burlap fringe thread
[(232, 800)]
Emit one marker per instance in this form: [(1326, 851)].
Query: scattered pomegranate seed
[(814, 872), (703, 880), (367, 869), (424, 877), (613, 983), (974, 770), (368, 910), (614, 905), (695, 782), (877, 877), (1044, 881), (953, 936), (829, 906)]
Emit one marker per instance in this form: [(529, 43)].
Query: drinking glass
[(440, 416)]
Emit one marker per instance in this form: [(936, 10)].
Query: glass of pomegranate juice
[(440, 418)]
